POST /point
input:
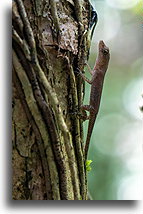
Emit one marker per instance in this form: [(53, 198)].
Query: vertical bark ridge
[(76, 132), (37, 134), (29, 97)]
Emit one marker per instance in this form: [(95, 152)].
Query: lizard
[(96, 82)]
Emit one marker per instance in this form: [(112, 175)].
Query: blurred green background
[(116, 143)]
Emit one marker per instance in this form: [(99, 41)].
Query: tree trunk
[(50, 41)]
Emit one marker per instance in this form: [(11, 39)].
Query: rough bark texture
[(49, 43)]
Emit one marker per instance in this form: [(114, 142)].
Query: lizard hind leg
[(84, 115)]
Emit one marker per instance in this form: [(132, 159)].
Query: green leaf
[(88, 167)]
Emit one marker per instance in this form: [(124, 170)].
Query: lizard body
[(96, 82)]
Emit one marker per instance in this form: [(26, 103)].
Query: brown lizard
[(96, 82)]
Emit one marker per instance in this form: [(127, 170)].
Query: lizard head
[(103, 56), (103, 50)]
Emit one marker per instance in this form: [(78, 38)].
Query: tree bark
[(50, 41)]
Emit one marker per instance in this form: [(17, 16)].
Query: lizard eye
[(105, 51)]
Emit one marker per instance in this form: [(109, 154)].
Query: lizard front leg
[(90, 70), (85, 78)]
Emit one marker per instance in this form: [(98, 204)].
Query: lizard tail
[(89, 133)]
